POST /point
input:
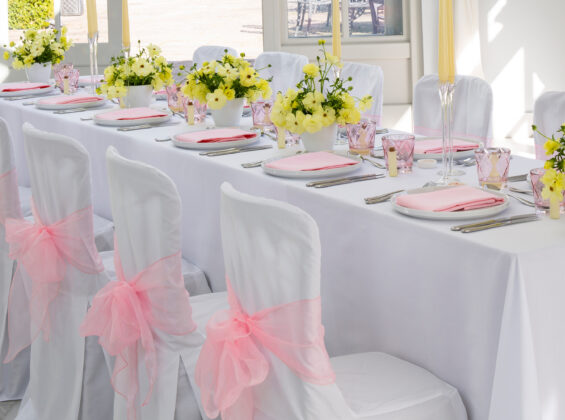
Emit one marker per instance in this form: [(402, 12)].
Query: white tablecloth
[(482, 311)]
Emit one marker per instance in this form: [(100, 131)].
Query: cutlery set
[(234, 150), (494, 223), (342, 181)]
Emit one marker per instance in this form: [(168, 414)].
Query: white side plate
[(323, 173), (214, 145), (129, 123), (60, 107), (27, 92)]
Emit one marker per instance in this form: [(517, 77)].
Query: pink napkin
[(16, 87), (434, 146), (132, 114), (64, 100), (216, 136), (311, 162), (450, 199)]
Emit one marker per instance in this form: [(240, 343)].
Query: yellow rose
[(216, 99), (551, 146), (311, 69), (230, 93)]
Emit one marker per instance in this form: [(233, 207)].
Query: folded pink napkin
[(216, 136), (132, 114), (450, 199), (434, 146), (311, 162), (16, 87), (64, 100)]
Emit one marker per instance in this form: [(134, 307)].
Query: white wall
[(522, 46)]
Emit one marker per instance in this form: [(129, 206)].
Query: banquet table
[(482, 311)]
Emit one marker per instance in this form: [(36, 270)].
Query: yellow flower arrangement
[(217, 82), (315, 103), (554, 177), (148, 67), (39, 47)]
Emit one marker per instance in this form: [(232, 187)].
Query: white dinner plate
[(323, 173), (129, 123), (438, 156), (215, 145), (449, 215), (27, 92), (60, 107)]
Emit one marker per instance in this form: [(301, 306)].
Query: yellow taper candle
[(554, 208), (392, 162), (446, 62), (281, 137), (92, 18), (126, 42), (336, 30)]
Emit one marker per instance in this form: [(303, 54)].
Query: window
[(366, 18)]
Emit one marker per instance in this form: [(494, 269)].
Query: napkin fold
[(65, 100), (450, 199), (217, 135), (16, 87), (132, 114), (430, 146), (315, 161)]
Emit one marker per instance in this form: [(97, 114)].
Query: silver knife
[(517, 178), (235, 150), (69, 111), (491, 221), (500, 224), (348, 181), (347, 178)]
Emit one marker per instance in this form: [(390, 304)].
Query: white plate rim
[(129, 123), (27, 92), (57, 107), (215, 145), (456, 155), (324, 173), (449, 215)]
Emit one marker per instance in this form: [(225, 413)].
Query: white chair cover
[(146, 209), (210, 52), (68, 375), (286, 69), (549, 115), (272, 257), (472, 108), (14, 376), (367, 80)]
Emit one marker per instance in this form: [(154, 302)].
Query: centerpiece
[(317, 106), (223, 85), (554, 177), (38, 51), (133, 78)]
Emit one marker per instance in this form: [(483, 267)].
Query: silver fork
[(381, 198), (523, 200), (372, 162), (520, 191), (260, 162)]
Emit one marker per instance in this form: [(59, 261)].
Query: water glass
[(492, 166), (404, 146), (542, 206), (361, 137), (175, 98), (261, 111), (66, 78)]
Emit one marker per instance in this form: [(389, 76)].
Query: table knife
[(348, 181), (235, 150), (492, 221), (500, 224), (347, 178)]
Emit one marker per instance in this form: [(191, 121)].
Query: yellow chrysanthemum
[(311, 70)]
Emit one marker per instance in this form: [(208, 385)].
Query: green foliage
[(29, 14)]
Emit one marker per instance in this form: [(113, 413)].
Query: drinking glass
[(404, 146), (492, 166), (175, 98), (66, 78), (261, 111), (361, 137), (542, 205)]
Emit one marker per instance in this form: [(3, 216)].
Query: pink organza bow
[(9, 197), (232, 360), (126, 311), (43, 252)]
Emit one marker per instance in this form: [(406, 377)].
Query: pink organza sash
[(125, 312), (43, 252), (9, 197), (232, 362)]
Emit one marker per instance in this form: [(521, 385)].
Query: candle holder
[(448, 173), (93, 45)]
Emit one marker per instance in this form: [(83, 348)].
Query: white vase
[(39, 72), (320, 140), (229, 115), (138, 96)]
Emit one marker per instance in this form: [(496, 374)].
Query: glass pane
[(309, 18), (77, 23), (180, 26), (375, 17)]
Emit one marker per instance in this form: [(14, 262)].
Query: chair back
[(549, 115), (286, 69), (368, 79), (472, 108), (272, 257), (211, 52), (6, 148)]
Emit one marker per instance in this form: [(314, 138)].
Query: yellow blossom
[(554, 184), (365, 103), (247, 76), (153, 50), (551, 146), (6, 55), (313, 123), (230, 93), (311, 69), (328, 116), (216, 99), (313, 100)]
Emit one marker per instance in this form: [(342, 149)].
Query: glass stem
[(93, 46), (446, 98)]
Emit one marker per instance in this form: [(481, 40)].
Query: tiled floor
[(8, 410)]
